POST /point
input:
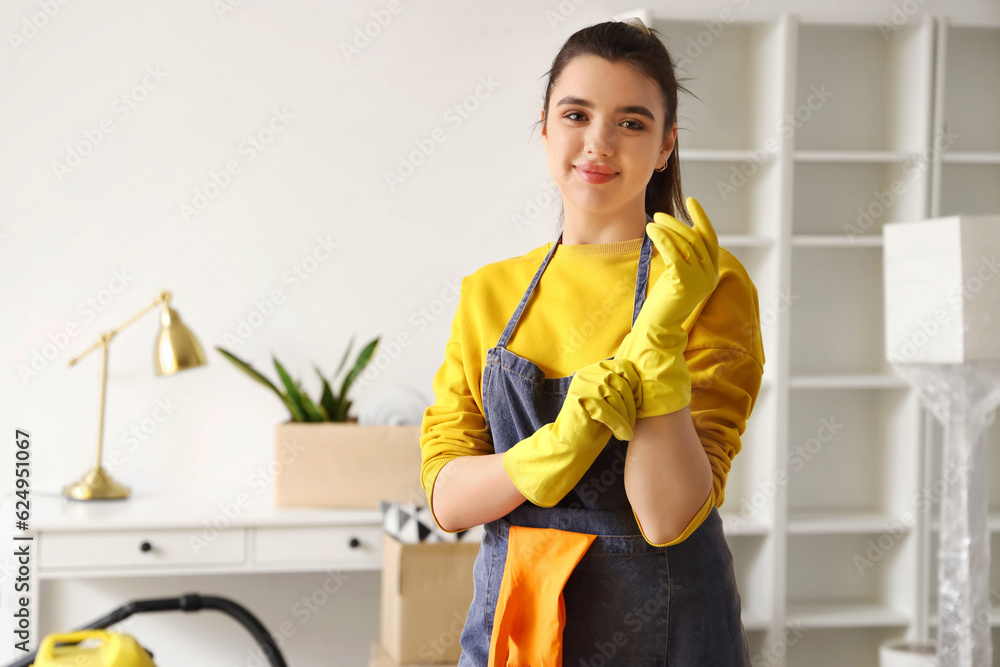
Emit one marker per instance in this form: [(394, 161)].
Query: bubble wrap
[(963, 397)]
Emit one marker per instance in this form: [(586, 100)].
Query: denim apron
[(627, 602)]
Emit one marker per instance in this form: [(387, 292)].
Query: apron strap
[(641, 278), (642, 274), (509, 329)]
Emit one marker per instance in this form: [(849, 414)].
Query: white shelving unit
[(806, 137)]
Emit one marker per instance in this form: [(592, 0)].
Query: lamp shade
[(176, 347)]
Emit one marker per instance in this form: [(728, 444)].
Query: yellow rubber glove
[(600, 402), (656, 343)]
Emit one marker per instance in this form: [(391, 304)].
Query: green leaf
[(338, 399), (359, 365), (337, 402), (296, 417), (249, 370), (294, 397), (312, 413), (326, 401), (347, 406), (346, 352), (310, 409)]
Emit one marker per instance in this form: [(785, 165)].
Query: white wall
[(401, 250)]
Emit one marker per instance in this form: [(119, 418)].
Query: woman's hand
[(692, 259), (656, 343), (600, 402)]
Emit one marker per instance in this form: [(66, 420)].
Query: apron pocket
[(617, 604)]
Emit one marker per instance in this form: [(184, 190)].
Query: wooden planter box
[(343, 465)]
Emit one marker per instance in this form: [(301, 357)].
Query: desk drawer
[(140, 548), (314, 544)]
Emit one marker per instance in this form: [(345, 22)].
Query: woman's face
[(606, 117)]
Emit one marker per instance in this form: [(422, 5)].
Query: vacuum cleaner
[(122, 650)]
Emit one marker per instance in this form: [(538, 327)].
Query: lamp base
[(96, 485)]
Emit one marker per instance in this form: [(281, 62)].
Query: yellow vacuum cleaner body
[(115, 650), (120, 650)]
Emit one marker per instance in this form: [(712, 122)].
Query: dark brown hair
[(618, 41)]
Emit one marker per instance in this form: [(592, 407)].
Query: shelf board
[(836, 241), (745, 241), (829, 522), (970, 157), (753, 620), (844, 615), (848, 381), (934, 620), (680, 16), (838, 20), (992, 521), (733, 524), (725, 155), (854, 156)]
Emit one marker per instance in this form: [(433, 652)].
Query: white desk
[(193, 532)]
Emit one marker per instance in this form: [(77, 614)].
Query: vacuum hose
[(189, 602)]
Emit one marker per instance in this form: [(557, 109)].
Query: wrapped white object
[(963, 397), (942, 291), (907, 654), (942, 326), (398, 405)]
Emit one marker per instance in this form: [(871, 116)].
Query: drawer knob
[(145, 546), (355, 543)]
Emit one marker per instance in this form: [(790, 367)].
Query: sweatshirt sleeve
[(725, 357), (454, 425)]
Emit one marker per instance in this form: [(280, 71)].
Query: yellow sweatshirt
[(579, 313)]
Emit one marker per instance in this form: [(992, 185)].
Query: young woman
[(594, 392)]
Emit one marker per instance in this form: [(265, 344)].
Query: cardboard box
[(426, 593), (343, 465), (379, 658), (942, 292)]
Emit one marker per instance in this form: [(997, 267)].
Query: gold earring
[(663, 167)]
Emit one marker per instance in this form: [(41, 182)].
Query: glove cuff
[(662, 399), (663, 372), (517, 463), (547, 464), (644, 346)]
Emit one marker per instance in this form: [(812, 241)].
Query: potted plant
[(323, 458), (330, 407)]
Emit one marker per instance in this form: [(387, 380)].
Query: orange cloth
[(530, 614)]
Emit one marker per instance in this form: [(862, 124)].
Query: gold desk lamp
[(176, 350)]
